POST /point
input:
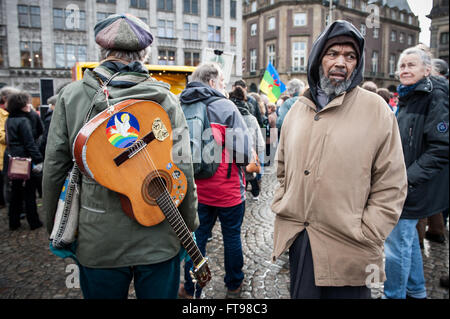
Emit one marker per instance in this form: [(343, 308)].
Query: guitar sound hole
[(154, 185)]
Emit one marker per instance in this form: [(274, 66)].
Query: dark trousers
[(302, 276), (230, 220), (21, 191), (435, 224), (255, 187), (156, 281)]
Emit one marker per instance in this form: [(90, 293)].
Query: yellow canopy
[(175, 75)]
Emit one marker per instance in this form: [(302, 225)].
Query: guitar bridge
[(134, 149)]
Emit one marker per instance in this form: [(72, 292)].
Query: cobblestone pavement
[(29, 270)]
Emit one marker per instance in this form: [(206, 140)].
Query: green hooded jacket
[(107, 237)]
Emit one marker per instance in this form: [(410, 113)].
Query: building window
[(166, 57), (401, 37), (214, 33), (363, 6), (30, 54), (103, 15), (271, 24), (410, 40), (191, 58), (67, 55), (299, 56), (60, 58), (69, 20), (376, 33), (374, 62), (393, 15), (254, 6), (140, 4), (393, 36), (443, 38), (233, 36), (410, 19), (165, 28), (271, 54), (402, 17), (106, 1), (253, 58), (214, 8), (190, 6), (165, 5), (363, 30), (29, 16), (191, 31), (300, 19), (392, 60), (253, 29), (233, 7), (349, 3)]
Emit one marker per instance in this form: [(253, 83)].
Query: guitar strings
[(160, 184), (148, 157)]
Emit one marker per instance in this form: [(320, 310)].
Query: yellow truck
[(175, 75)]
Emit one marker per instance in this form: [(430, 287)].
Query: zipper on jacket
[(410, 137)]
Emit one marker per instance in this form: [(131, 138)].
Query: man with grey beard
[(341, 172)]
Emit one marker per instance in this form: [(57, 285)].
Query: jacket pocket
[(369, 234), (92, 197)]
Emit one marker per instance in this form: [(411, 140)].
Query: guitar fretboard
[(177, 223)]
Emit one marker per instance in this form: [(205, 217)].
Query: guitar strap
[(102, 88)]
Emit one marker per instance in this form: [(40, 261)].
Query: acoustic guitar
[(127, 148)]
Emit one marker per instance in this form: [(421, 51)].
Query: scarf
[(130, 74), (404, 90)]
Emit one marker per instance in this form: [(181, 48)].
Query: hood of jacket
[(337, 28), (197, 91)]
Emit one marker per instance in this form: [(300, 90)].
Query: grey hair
[(6, 91), (206, 72), (295, 86), (424, 57), (125, 55)]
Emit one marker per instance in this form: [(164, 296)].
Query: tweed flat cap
[(123, 32)]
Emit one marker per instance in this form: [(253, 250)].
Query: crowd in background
[(23, 133)]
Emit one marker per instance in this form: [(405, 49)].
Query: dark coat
[(21, 142), (423, 124)]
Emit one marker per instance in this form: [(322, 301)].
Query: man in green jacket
[(112, 249)]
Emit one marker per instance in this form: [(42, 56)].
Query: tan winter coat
[(342, 177)]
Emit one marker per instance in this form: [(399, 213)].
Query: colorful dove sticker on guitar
[(122, 129)]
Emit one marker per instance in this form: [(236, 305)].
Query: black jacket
[(20, 139), (423, 124)]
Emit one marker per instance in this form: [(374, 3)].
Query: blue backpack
[(206, 153)]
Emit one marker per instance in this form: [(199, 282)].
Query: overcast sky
[(422, 8)]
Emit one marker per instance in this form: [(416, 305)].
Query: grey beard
[(334, 90)]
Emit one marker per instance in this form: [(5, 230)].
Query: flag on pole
[(271, 84)]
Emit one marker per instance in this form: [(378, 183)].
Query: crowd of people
[(361, 170), (22, 134)]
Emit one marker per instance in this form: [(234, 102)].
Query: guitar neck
[(177, 223)]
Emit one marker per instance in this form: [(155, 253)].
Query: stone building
[(439, 29), (42, 39), (283, 31)]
